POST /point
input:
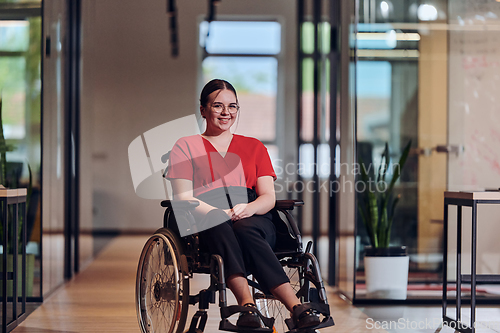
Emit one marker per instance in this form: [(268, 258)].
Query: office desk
[(461, 199), (12, 206)]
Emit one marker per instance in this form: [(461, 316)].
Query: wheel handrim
[(159, 286)]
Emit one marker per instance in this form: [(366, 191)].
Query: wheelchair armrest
[(288, 204), (284, 207), (182, 204)]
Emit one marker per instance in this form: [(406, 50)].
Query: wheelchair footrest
[(198, 322), (225, 325), (228, 311)]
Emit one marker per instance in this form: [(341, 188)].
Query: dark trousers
[(246, 246)]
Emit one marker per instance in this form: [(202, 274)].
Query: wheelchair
[(168, 262)]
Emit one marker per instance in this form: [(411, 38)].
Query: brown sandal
[(249, 318), (305, 315)]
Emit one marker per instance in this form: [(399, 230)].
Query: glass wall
[(54, 119), (317, 141), (473, 129), (424, 73), (387, 83), (20, 105)]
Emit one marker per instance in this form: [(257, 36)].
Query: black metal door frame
[(333, 17), (72, 139)]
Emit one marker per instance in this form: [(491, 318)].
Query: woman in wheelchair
[(233, 179)]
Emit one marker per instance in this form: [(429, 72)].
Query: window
[(246, 54), (14, 42)]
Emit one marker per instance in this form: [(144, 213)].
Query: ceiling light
[(384, 9), (427, 13)]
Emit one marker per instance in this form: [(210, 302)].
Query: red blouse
[(195, 158)]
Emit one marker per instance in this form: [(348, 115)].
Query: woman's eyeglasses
[(231, 108)]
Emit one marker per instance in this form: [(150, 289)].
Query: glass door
[(473, 144), (426, 73), (20, 105)]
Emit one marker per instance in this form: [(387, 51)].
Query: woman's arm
[(183, 190), (266, 199)]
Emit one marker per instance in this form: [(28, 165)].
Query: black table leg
[(5, 226), (473, 268), (15, 242), (459, 262), (445, 259)]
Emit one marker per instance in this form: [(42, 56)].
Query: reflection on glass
[(307, 42), (374, 98), (323, 168), (307, 115), (385, 36), (21, 1), (20, 87), (387, 113), (325, 35), (428, 83), (306, 161), (326, 112)]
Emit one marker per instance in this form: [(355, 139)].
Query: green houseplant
[(377, 206), (386, 267)]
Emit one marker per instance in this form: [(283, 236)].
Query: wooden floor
[(101, 299)]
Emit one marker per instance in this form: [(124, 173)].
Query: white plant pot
[(386, 277)]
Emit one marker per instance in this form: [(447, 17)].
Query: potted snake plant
[(386, 266)]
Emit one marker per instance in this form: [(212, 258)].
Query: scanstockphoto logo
[(355, 169), (405, 324), (149, 160)]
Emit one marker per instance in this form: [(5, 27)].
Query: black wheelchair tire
[(162, 285)]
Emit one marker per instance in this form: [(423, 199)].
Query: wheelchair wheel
[(269, 306), (162, 285)]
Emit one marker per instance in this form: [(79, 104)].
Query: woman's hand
[(241, 211), (229, 212), (263, 204)]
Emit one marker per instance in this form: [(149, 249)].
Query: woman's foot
[(304, 315), (249, 319)]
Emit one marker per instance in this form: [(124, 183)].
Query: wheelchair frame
[(191, 260)]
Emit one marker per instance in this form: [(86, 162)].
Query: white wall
[(132, 84)]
